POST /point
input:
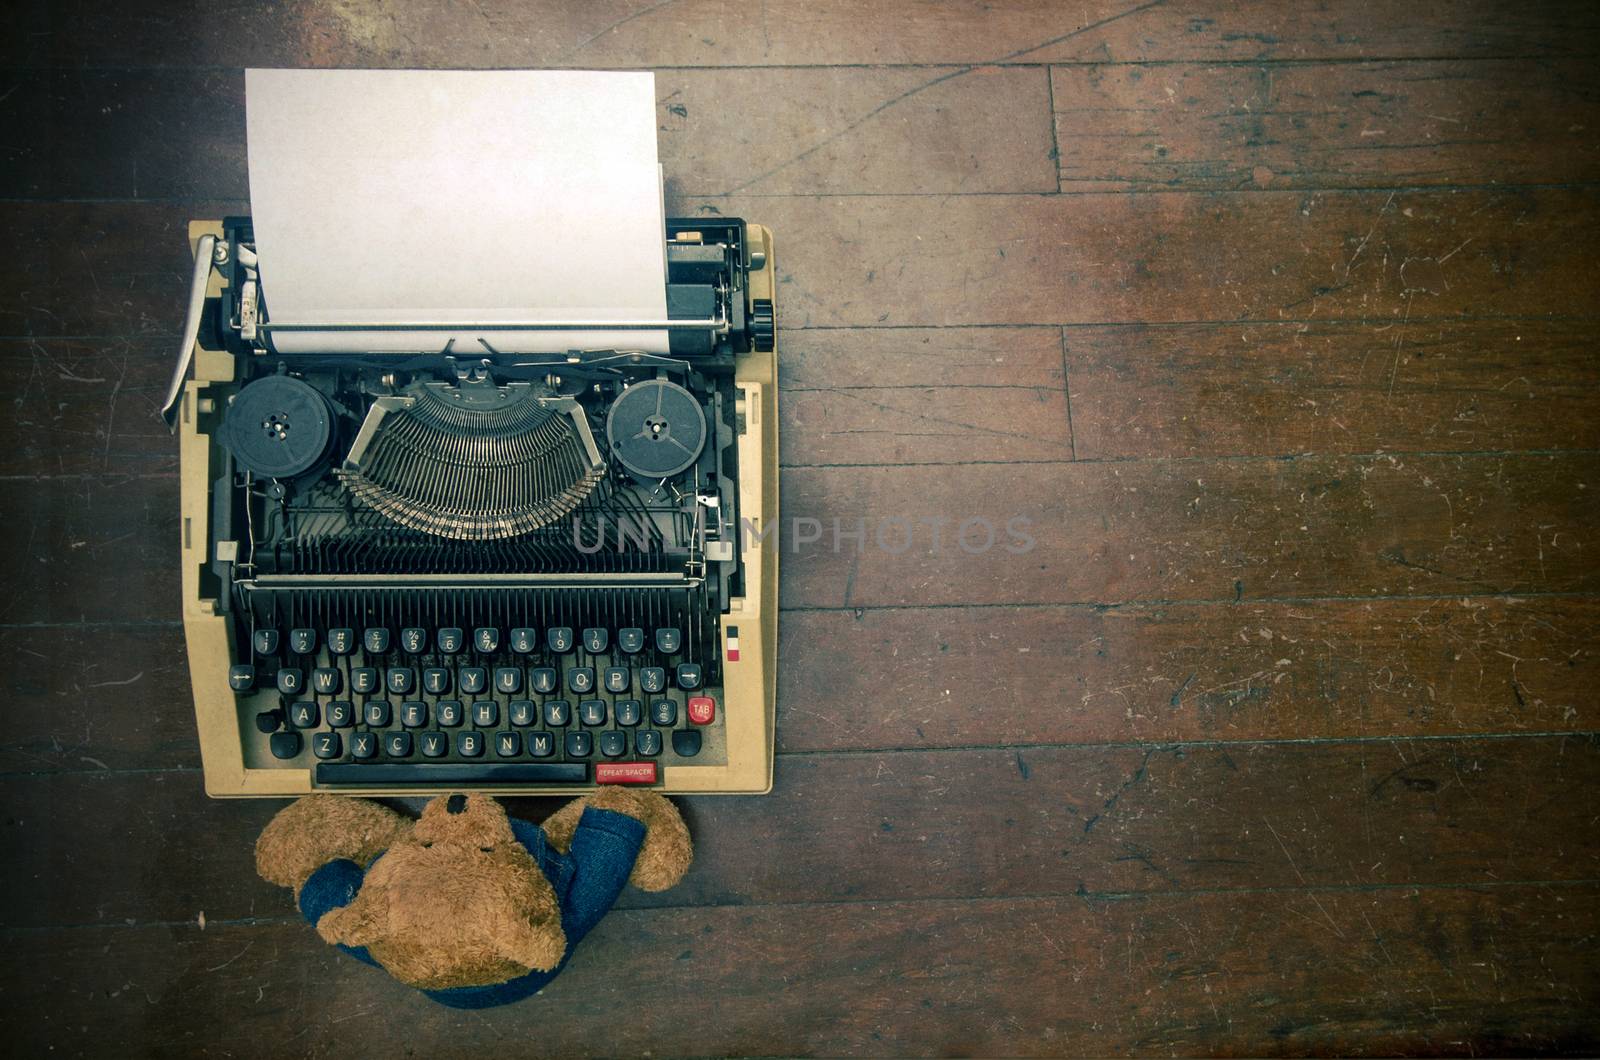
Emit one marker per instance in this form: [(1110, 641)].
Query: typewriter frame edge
[(207, 636)]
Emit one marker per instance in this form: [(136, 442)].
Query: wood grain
[(163, 134), (952, 677), (116, 697), (1280, 741), (871, 261), (611, 33), (1209, 530), (97, 698), (1248, 389), (927, 395), (86, 407), (1391, 971), (1345, 125), (918, 825), (1101, 533)]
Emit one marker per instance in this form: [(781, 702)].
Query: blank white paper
[(459, 197)]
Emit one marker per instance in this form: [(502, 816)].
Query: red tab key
[(702, 710)]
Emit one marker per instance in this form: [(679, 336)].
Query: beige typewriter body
[(739, 748)]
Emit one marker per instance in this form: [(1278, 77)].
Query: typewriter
[(461, 571)]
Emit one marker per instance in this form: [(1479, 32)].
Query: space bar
[(400, 774)]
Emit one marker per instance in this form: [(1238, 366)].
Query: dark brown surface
[(1282, 737)]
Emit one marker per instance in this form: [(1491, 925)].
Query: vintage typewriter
[(526, 574)]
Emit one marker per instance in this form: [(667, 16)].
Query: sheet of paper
[(461, 197)]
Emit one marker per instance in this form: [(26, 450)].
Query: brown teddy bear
[(470, 906)]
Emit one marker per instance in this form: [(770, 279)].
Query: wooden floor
[(1277, 320)]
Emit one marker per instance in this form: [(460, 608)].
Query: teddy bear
[(470, 906)]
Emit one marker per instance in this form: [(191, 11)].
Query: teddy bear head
[(456, 901)]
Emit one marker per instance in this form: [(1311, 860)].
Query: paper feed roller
[(710, 315)]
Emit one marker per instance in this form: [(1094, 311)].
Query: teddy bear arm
[(312, 831), (667, 850)]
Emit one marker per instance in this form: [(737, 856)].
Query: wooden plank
[(1175, 530), (950, 677), (869, 261), (1370, 256), (180, 133), (96, 549), (882, 396), (97, 269), (915, 395), (97, 697), (1262, 389), (917, 824), (922, 396), (86, 407), (123, 134), (1344, 125), (116, 696), (103, 549), (1492, 971), (898, 396), (503, 33)]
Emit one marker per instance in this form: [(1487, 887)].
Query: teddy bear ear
[(537, 947), (361, 923)]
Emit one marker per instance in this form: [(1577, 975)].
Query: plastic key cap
[(702, 710)]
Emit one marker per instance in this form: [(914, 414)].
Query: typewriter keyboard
[(479, 705)]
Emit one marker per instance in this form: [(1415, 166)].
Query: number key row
[(473, 680)]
